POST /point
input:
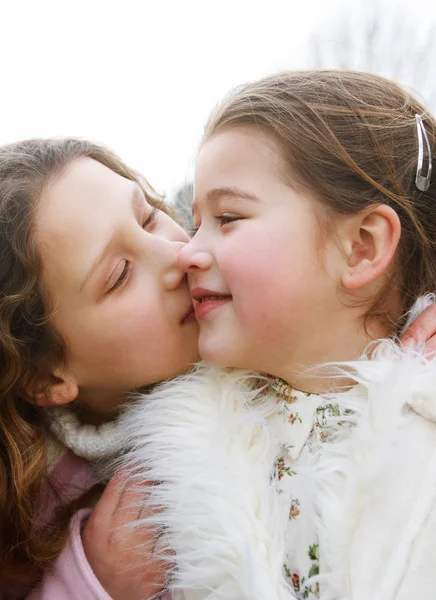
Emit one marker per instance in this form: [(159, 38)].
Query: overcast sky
[(142, 75)]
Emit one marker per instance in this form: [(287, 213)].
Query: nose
[(173, 274), (193, 257)]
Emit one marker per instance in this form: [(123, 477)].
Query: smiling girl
[(93, 306), (315, 216)]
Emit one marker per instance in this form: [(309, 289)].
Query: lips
[(206, 301), (189, 316), (202, 294)]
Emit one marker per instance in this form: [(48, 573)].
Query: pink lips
[(189, 316), (207, 300)]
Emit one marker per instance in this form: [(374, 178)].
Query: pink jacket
[(71, 578)]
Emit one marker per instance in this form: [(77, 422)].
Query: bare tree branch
[(376, 37)]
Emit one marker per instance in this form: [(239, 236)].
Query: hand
[(117, 556), (423, 329)]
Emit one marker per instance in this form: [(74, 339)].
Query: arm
[(72, 576), (100, 560)]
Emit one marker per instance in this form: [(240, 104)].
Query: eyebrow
[(136, 195), (214, 195)]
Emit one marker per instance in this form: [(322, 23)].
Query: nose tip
[(191, 258), (183, 258), (174, 273)]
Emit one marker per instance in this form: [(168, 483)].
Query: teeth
[(210, 298)]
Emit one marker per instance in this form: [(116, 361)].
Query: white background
[(141, 76)]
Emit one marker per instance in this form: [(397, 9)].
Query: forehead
[(76, 216), (85, 186), (242, 152)]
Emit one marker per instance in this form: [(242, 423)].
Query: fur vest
[(210, 439)]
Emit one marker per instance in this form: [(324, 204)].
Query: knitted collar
[(91, 442)]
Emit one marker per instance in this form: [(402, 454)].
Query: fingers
[(422, 330), (123, 502), (125, 559), (132, 502), (410, 338), (109, 500)]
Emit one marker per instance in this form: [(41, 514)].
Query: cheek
[(113, 330), (268, 270), (270, 281), (136, 324)]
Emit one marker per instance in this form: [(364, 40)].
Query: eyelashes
[(127, 264), (121, 279), (221, 219), (225, 219), (151, 217)]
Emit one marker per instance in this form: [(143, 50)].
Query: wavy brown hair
[(30, 348), (350, 138)]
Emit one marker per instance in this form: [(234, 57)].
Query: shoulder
[(71, 472), (68, 478), (394, 382), (385, 506)]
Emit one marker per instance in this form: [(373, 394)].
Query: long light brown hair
[(31, 348), (351, 139)]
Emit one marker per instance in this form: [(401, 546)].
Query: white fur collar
[(212, 442), (211, 439)]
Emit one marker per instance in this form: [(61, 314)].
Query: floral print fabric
[(313, 422)]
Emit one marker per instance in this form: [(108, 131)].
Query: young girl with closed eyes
[(311, 473), (93, 305)]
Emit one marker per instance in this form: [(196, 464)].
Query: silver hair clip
[(422, 182)]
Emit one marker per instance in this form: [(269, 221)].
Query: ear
[(371, 240), (54, 390)]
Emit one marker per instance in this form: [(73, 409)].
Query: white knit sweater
[(100, 445)]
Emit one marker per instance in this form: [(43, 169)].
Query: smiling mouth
[(206, 305), (207, 298), (200, 295), (207, 301)]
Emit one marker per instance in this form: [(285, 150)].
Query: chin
[(217, 354)]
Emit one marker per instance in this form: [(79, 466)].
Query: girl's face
[(122, 303), (265, 292)]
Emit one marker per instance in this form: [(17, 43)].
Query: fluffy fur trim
[(210, 439), (377, 487), (205, 438)]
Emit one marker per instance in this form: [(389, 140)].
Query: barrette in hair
[(422, 182)]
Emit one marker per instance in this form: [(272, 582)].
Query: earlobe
[(51, 391), (64, 392), (372, 244)]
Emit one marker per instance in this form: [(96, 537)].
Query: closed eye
[(122, 278), (151, 217), (125, 273), (225, 219)]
